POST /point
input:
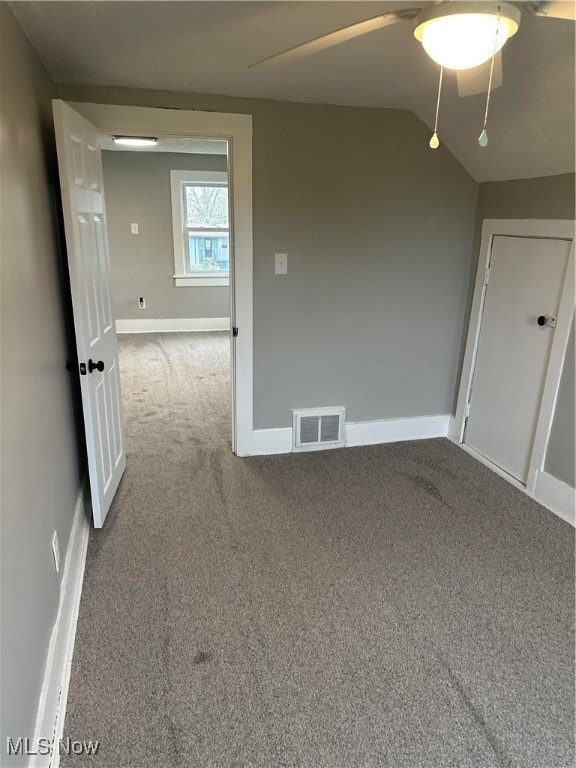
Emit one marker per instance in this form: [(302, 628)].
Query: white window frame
[(183, 279)]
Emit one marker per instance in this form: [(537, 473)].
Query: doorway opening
[(171, 255)]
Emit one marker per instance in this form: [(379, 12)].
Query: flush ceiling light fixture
[(466, 34), (135, 141)]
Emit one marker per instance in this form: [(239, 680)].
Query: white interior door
[(525, 281), (80, 166)]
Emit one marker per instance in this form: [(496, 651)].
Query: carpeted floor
[(395, 605)]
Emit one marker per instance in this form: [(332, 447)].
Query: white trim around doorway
[(540, 228), (237, 130)]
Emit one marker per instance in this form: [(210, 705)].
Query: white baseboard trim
[(52, 704), (396, 430), (453, 430), (274, 441), (149, 325), (266, 442), (557, 496)]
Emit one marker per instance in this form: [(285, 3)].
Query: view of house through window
[(201, 227), (206, 233)]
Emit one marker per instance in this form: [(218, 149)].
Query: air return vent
[(318, 428)]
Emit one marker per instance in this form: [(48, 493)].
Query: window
[(201, 227)]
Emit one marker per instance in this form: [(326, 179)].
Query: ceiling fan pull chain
[(434, 142), (483, 138)]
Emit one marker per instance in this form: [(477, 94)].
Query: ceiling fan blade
[(553, 9), (473, 81), (338, 36)]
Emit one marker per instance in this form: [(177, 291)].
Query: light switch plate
[(281, 263), (134, 228)]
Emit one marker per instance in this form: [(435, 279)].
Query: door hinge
[(234, 331), (487, 275), (467, 410)]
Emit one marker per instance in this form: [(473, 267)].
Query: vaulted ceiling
[(206, 47)]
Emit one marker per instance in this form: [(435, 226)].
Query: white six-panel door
[(525, 282), (80, 167)]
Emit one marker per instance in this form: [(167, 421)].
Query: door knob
[(92, 366), (546, 320)]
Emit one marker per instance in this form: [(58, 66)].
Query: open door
[(80, 167)]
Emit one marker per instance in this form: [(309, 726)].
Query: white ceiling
[(206, 47)]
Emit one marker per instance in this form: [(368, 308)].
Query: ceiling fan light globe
[(457, 39)]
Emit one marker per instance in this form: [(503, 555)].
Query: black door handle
[(542, 320), (92, 366)]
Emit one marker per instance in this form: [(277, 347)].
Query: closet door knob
[(548, 320)]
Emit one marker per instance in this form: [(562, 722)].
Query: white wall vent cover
[(318, 428)]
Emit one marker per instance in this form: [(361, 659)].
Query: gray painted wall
[(546, 197), (551, 197), (39, 473), (137, 188), (378, 231)]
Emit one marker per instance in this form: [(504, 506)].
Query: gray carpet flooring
[(395, 605)]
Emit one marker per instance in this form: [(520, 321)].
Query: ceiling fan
[(463, 35)]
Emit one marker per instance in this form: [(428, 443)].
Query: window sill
[(181, 281)]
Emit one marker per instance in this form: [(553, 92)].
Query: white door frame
[(539, 228), (237, 130)]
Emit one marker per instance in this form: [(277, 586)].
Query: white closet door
[(525, 282)]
